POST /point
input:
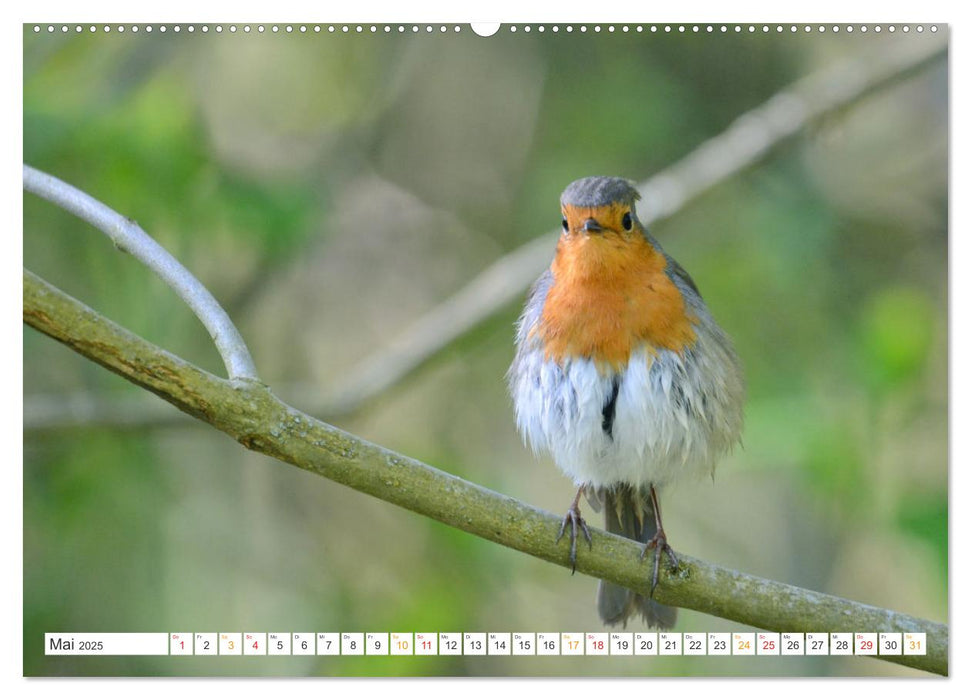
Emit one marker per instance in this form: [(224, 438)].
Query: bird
[(622, 375)]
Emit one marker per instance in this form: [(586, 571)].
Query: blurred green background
[(330, 188)]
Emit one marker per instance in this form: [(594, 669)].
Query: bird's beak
[(591, 226)]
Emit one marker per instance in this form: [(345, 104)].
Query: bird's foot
[(575, 521), (659, 543)]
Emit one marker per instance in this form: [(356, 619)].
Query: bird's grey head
[(599, 191)]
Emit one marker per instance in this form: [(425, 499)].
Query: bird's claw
[(659, 543), (575, 521)]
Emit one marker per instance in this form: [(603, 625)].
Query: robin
[(623, 376)]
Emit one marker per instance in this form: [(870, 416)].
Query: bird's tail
[(628, 512)]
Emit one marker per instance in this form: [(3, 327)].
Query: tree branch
[(251, 414), (749, 138), (130, 238)]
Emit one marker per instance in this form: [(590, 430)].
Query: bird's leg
[(659, 542), (573, 519)]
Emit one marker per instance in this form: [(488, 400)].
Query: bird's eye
[(566, 225), (627, 222)]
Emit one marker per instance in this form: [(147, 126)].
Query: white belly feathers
[(674, 414)]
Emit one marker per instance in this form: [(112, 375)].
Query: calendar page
[(474, 304)]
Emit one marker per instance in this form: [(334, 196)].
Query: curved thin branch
[(130, 238), (256, 418), (749, 138)]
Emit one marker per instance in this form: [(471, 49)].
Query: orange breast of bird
[(610, 296)]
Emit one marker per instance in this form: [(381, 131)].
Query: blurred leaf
[(895, 335), (835, 465), (925, 517)]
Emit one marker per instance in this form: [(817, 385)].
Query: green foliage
[(896, 332), (148, 149), (835, 467), (925, 517)]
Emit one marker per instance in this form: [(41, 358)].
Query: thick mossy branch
[(255, 417)]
